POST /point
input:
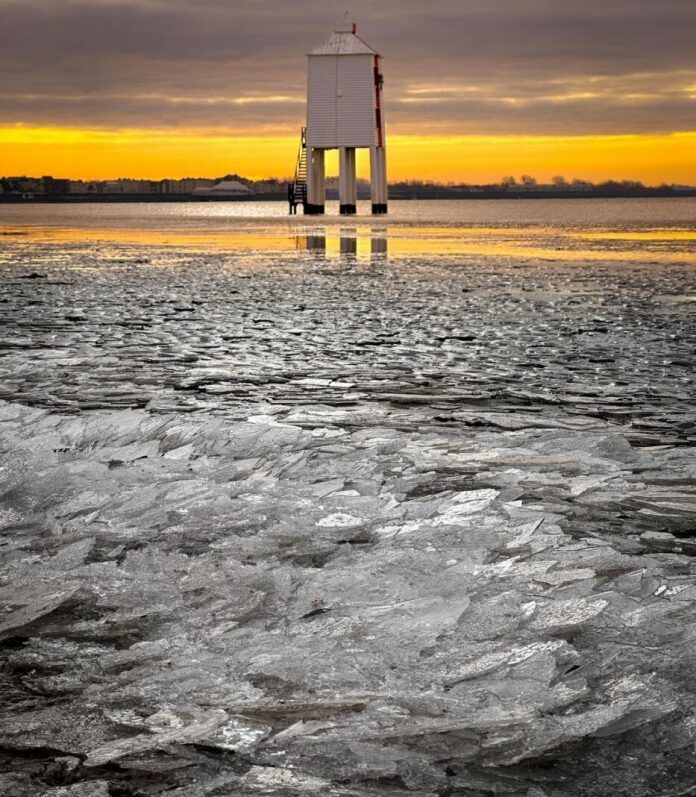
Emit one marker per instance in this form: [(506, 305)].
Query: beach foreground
[(323, 512)]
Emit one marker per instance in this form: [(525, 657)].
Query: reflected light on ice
[(398, 240)]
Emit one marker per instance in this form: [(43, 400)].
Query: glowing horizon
[(99, 154)]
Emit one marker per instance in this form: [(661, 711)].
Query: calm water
[(662, 230)]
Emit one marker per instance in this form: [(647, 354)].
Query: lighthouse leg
[(316, 182), (347, 186), (385, 185), (378, 179)]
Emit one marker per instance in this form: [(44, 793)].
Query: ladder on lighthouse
[(297, 189)]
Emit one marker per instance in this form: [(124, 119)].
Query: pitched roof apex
[(344, 42)]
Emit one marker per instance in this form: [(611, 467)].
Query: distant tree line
[(187, 188), (527, 185)]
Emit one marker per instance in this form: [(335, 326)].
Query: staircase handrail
[(298, 164)]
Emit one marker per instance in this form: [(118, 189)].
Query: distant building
[(122, 185), (131, 187), (186, 186), (24, 185), (223, 188), (55, 186), (82, 187)]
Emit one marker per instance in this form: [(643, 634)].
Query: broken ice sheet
[(32, 607)]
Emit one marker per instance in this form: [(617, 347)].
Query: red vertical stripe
[(378, 103)]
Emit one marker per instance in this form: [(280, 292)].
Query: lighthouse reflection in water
[(346, 242)]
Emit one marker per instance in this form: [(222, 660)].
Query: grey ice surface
[(287, 525)]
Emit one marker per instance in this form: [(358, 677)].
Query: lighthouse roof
[(344, 42)]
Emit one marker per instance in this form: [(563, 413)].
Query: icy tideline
[(294, 526)]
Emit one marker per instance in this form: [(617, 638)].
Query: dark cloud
[(475, 66)]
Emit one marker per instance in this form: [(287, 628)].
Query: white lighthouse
[(344, 112)]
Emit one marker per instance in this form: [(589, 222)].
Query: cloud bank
[(490, 67)]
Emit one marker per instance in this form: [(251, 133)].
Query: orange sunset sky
[(475, 90)]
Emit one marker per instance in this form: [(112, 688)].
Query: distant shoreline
[(70, 199)]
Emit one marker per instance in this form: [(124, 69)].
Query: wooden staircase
[(297, 189)]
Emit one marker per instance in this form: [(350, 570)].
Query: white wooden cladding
[(341, 101), (321, 101), (355, 102)]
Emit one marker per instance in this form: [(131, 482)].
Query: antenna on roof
[(346, 25)]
